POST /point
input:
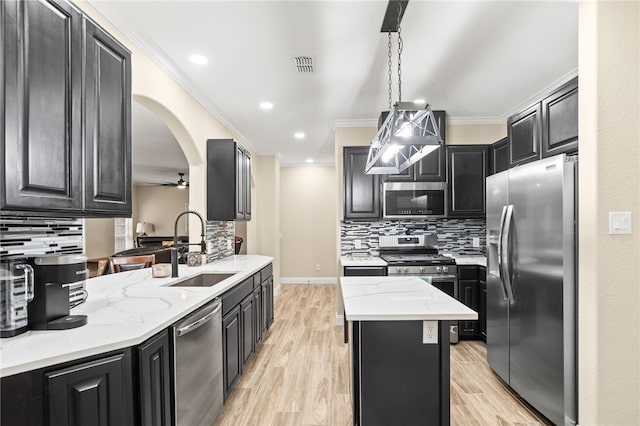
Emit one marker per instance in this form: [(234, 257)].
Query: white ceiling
[(479, 60)]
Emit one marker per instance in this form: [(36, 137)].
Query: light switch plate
[(619, 223), (429, 332)]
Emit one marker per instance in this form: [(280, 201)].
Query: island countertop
[(123, 310), (399, 299)]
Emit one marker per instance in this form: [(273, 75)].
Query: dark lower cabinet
[(482, 308), (107, 130), (267, 293), (499, 153), (560, 120), (97, 393), (247, 322), (361, 191), (469, 294), (467, 172), (364, 271), (257, 318), (231, 349), (154, 375)]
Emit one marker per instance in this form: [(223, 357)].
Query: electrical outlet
[(430, 332), (318, 267), (476, 242), (358, 244)]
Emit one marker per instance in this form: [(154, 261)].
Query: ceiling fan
[(180, 184)]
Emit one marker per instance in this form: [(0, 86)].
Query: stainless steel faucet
[(174, 248)]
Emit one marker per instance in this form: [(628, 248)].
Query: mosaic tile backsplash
[(23, 237), (455, 236), (218, 234)]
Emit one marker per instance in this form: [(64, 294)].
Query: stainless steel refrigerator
[(531, 283)]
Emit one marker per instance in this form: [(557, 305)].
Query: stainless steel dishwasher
[(198, 366)]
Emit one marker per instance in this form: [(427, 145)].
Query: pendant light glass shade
[(405, 137)]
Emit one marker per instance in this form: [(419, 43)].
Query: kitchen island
[(399, 349)]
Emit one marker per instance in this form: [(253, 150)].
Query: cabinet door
[(499, 152), (107, 98), (247, 186), (433, 167), (240, 201), (560, 120), (41, 112), (270, 306), (231, 348), (257, 317), (247, 326), (525, 132), (468, 294), (93, 393), (361, 191), (467, 171), (154, 363), (482, 307)]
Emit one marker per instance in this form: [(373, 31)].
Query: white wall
[(160, 205)]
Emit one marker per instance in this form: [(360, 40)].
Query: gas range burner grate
[(418, 259)]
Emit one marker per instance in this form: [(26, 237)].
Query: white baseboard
[(340, 320), (307, 280)]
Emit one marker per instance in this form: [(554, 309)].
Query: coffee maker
[(53, 275), (16, 291)]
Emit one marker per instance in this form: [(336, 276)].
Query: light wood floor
[(299, 376)]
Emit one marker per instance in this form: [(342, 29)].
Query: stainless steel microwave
[(414, 200)]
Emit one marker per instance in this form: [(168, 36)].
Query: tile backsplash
[(23, 237), (218, 235), (455, 236)]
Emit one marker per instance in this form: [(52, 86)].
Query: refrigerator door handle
[(506, 270), (500, 237)]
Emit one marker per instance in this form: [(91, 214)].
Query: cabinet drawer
[(365, 271), (233, 297), (467, 272), (266, 272)]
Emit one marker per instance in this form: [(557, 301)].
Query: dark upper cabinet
[(41, 106), (228, 181), (560, 120), (361, 191), (107, 123), (525, 134), (154, 367), (49, 98), (467, 172), (499, 156), (97, 392), (433, 167)]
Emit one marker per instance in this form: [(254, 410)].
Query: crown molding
[(157, 56), (364, 122)]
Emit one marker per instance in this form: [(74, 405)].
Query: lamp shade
[(406, 136), (144, 227)]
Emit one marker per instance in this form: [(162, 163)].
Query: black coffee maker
[(52, 277)]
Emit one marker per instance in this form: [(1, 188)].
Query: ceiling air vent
[(304, 64)]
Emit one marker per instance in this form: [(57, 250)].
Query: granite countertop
[(362, 261), (123, 310), (399, 299)]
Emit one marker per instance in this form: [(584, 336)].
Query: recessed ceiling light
[(309, 160), (266, 105), (198, 59), (299, 135), (420, 101)]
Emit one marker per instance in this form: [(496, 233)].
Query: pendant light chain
[(390, 72), (399, 57)]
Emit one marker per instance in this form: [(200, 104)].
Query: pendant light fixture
[(410, 131)]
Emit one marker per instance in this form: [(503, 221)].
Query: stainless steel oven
[(417, 255)]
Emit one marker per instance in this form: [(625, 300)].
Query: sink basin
[(202, 280)]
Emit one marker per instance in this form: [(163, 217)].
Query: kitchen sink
[(202, 280)]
